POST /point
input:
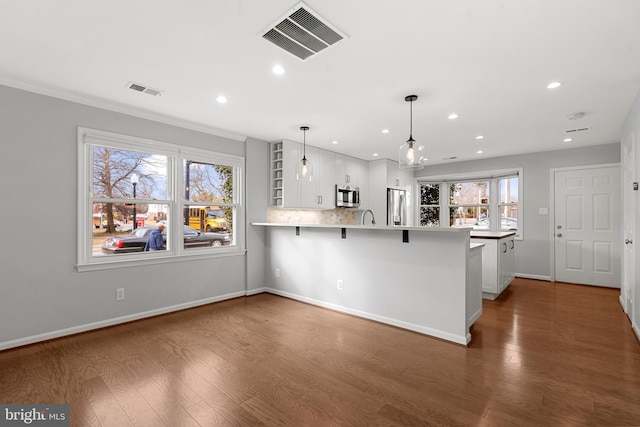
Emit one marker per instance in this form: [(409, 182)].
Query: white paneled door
[(587, 226)]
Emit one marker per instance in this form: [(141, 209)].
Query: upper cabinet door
[(326, 179), (342, 169), (319, 192), (396, 177), (351, 171), (308, 190)]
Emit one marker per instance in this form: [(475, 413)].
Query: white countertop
[(366, 227)]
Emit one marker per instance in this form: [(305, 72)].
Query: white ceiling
[(489, 61)]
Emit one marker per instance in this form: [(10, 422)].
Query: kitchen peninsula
[(423, 279)]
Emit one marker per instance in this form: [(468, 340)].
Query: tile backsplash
[(302, 216)]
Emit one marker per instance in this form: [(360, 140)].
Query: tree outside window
[(430, 205)]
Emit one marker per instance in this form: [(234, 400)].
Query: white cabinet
[(287, 191), (354, 173), (319, 192), (396, 177), (351, 171), (498, 264), (506, 262)]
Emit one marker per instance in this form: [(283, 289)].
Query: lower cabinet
[(498, 265)]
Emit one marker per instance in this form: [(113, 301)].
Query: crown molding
[(93, 101)]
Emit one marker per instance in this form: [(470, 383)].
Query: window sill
[(138, 262)]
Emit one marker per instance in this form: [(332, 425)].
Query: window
[(508, 204), (483, 201), (469, 204), (130, 186), (430, 205)]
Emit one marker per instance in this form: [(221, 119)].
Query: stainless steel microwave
[(347, 197)]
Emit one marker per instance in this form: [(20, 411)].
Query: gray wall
[(41, 291), (533, 253)]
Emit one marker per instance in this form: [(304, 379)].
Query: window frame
[(88, 138), (493, 176)]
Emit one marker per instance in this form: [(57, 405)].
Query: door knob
[(559, 235), (628, 241)]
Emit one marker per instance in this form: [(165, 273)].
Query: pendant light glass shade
[(410, 155), (304, 168)]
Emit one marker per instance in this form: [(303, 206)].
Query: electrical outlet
[(340, 285), (119, 294), (277, 272)]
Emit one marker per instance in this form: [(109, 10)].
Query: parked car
[(137, 239)]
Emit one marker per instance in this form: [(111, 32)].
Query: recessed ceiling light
[(453, 116), (568, 140), (479, 152), (554, 85), (222, 99), (479, 137), (334, 142), (375, 154), (278, 70), (385, 130)]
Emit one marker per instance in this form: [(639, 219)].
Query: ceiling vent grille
[(302, 32), (144, 89), (577, 130)]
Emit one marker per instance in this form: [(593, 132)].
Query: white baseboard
[(459, 339), (622, 304), (475, 317), (534, 276), (115, 321), (257, 291), (636, 329)]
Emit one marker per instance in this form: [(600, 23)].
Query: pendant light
[(304, 168), (409, 156)]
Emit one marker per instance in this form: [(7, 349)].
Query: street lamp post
[(134, 182)]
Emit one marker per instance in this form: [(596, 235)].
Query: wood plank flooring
[(543, 354)]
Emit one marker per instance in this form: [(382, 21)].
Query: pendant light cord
[(411, 140), (304, 130)]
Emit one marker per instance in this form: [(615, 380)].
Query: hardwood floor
[(543, 354)]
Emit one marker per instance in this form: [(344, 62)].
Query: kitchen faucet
[(373, 218)]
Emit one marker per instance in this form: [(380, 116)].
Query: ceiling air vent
[(144, 89), (302, 32), (577, 130)]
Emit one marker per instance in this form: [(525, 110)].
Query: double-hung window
[(483, 201), (130, 188), (469, 204), (430, 204)]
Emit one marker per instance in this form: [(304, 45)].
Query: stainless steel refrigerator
[(396, 207)]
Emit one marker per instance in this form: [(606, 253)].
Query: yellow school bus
[(207, 218)]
